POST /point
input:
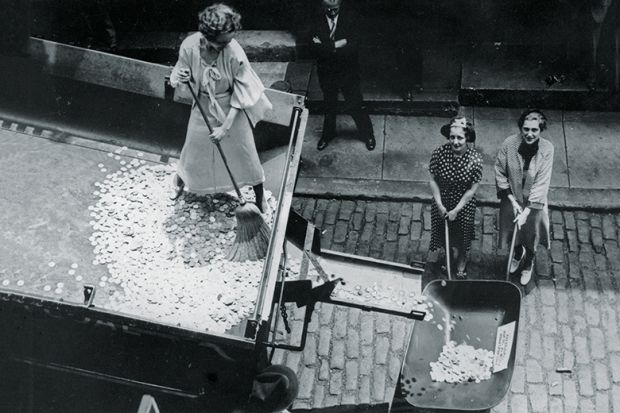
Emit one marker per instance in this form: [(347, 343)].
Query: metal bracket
[(251, 328), (321, 271), (168, 89), (89, 295)]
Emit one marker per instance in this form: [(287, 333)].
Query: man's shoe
[(322, 144), (526, 275), (514, 265), (371, 143)]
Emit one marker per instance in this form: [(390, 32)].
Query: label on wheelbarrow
[(503, 346)]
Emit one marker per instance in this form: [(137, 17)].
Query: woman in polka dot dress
[(455, 172)]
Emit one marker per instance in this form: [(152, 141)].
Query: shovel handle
[(512, 249), (217, 144), (448, 251)]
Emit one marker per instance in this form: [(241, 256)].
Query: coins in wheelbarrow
[(166, 260), (462, 363)]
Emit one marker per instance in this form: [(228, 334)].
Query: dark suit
[(338, 69), (606, 52)]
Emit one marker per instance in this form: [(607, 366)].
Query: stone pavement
[(570, 317), (585, 171)]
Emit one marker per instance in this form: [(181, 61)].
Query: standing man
[(334, 41)]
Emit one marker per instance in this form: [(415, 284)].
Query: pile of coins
[(166, 259), (462, 363), (386, 296), (378, 294)]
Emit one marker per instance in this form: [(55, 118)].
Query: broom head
[(252, 239)]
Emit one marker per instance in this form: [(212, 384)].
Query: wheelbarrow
[(483, 314)]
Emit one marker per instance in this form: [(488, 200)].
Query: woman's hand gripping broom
[(252, 239)]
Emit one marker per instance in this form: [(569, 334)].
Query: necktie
[(332, 31)]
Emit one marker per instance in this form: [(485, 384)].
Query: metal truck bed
[(45, 248), (55, 291)]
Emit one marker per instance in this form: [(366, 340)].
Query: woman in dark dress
[(455, 172)]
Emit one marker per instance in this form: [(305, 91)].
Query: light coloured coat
[(509, 172), (229, 81), (534, 193)]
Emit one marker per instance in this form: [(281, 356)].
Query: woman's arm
[(437, 195), (181, 70), (501, 170), (467, 196), (542, 181), (220, 131), (539, 189), (501, 179), (248, 92)]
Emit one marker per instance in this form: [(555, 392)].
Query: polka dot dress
[(454, 176)]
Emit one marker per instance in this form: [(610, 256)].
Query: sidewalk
[(569, 317), (585, 174)]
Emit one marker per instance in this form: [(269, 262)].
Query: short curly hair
[(533, 114), (461, 122), (217, 19)]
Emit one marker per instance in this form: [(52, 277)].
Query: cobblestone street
[(569, 317)]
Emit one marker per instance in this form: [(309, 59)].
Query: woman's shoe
[(179, 186), (265, 209), (514, 265), (461, 275), (526, 275), (177, 193)]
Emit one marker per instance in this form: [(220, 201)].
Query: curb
[(586, 199)]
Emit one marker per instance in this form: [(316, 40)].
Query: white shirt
[(331, 23)]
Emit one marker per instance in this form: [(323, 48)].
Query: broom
[(252, 238)]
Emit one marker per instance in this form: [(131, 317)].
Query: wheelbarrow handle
[(448, 251), (512, 249)]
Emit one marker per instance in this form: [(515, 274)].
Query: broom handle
[(241, 199), (217, 144), (512, 248), (448, 252)]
